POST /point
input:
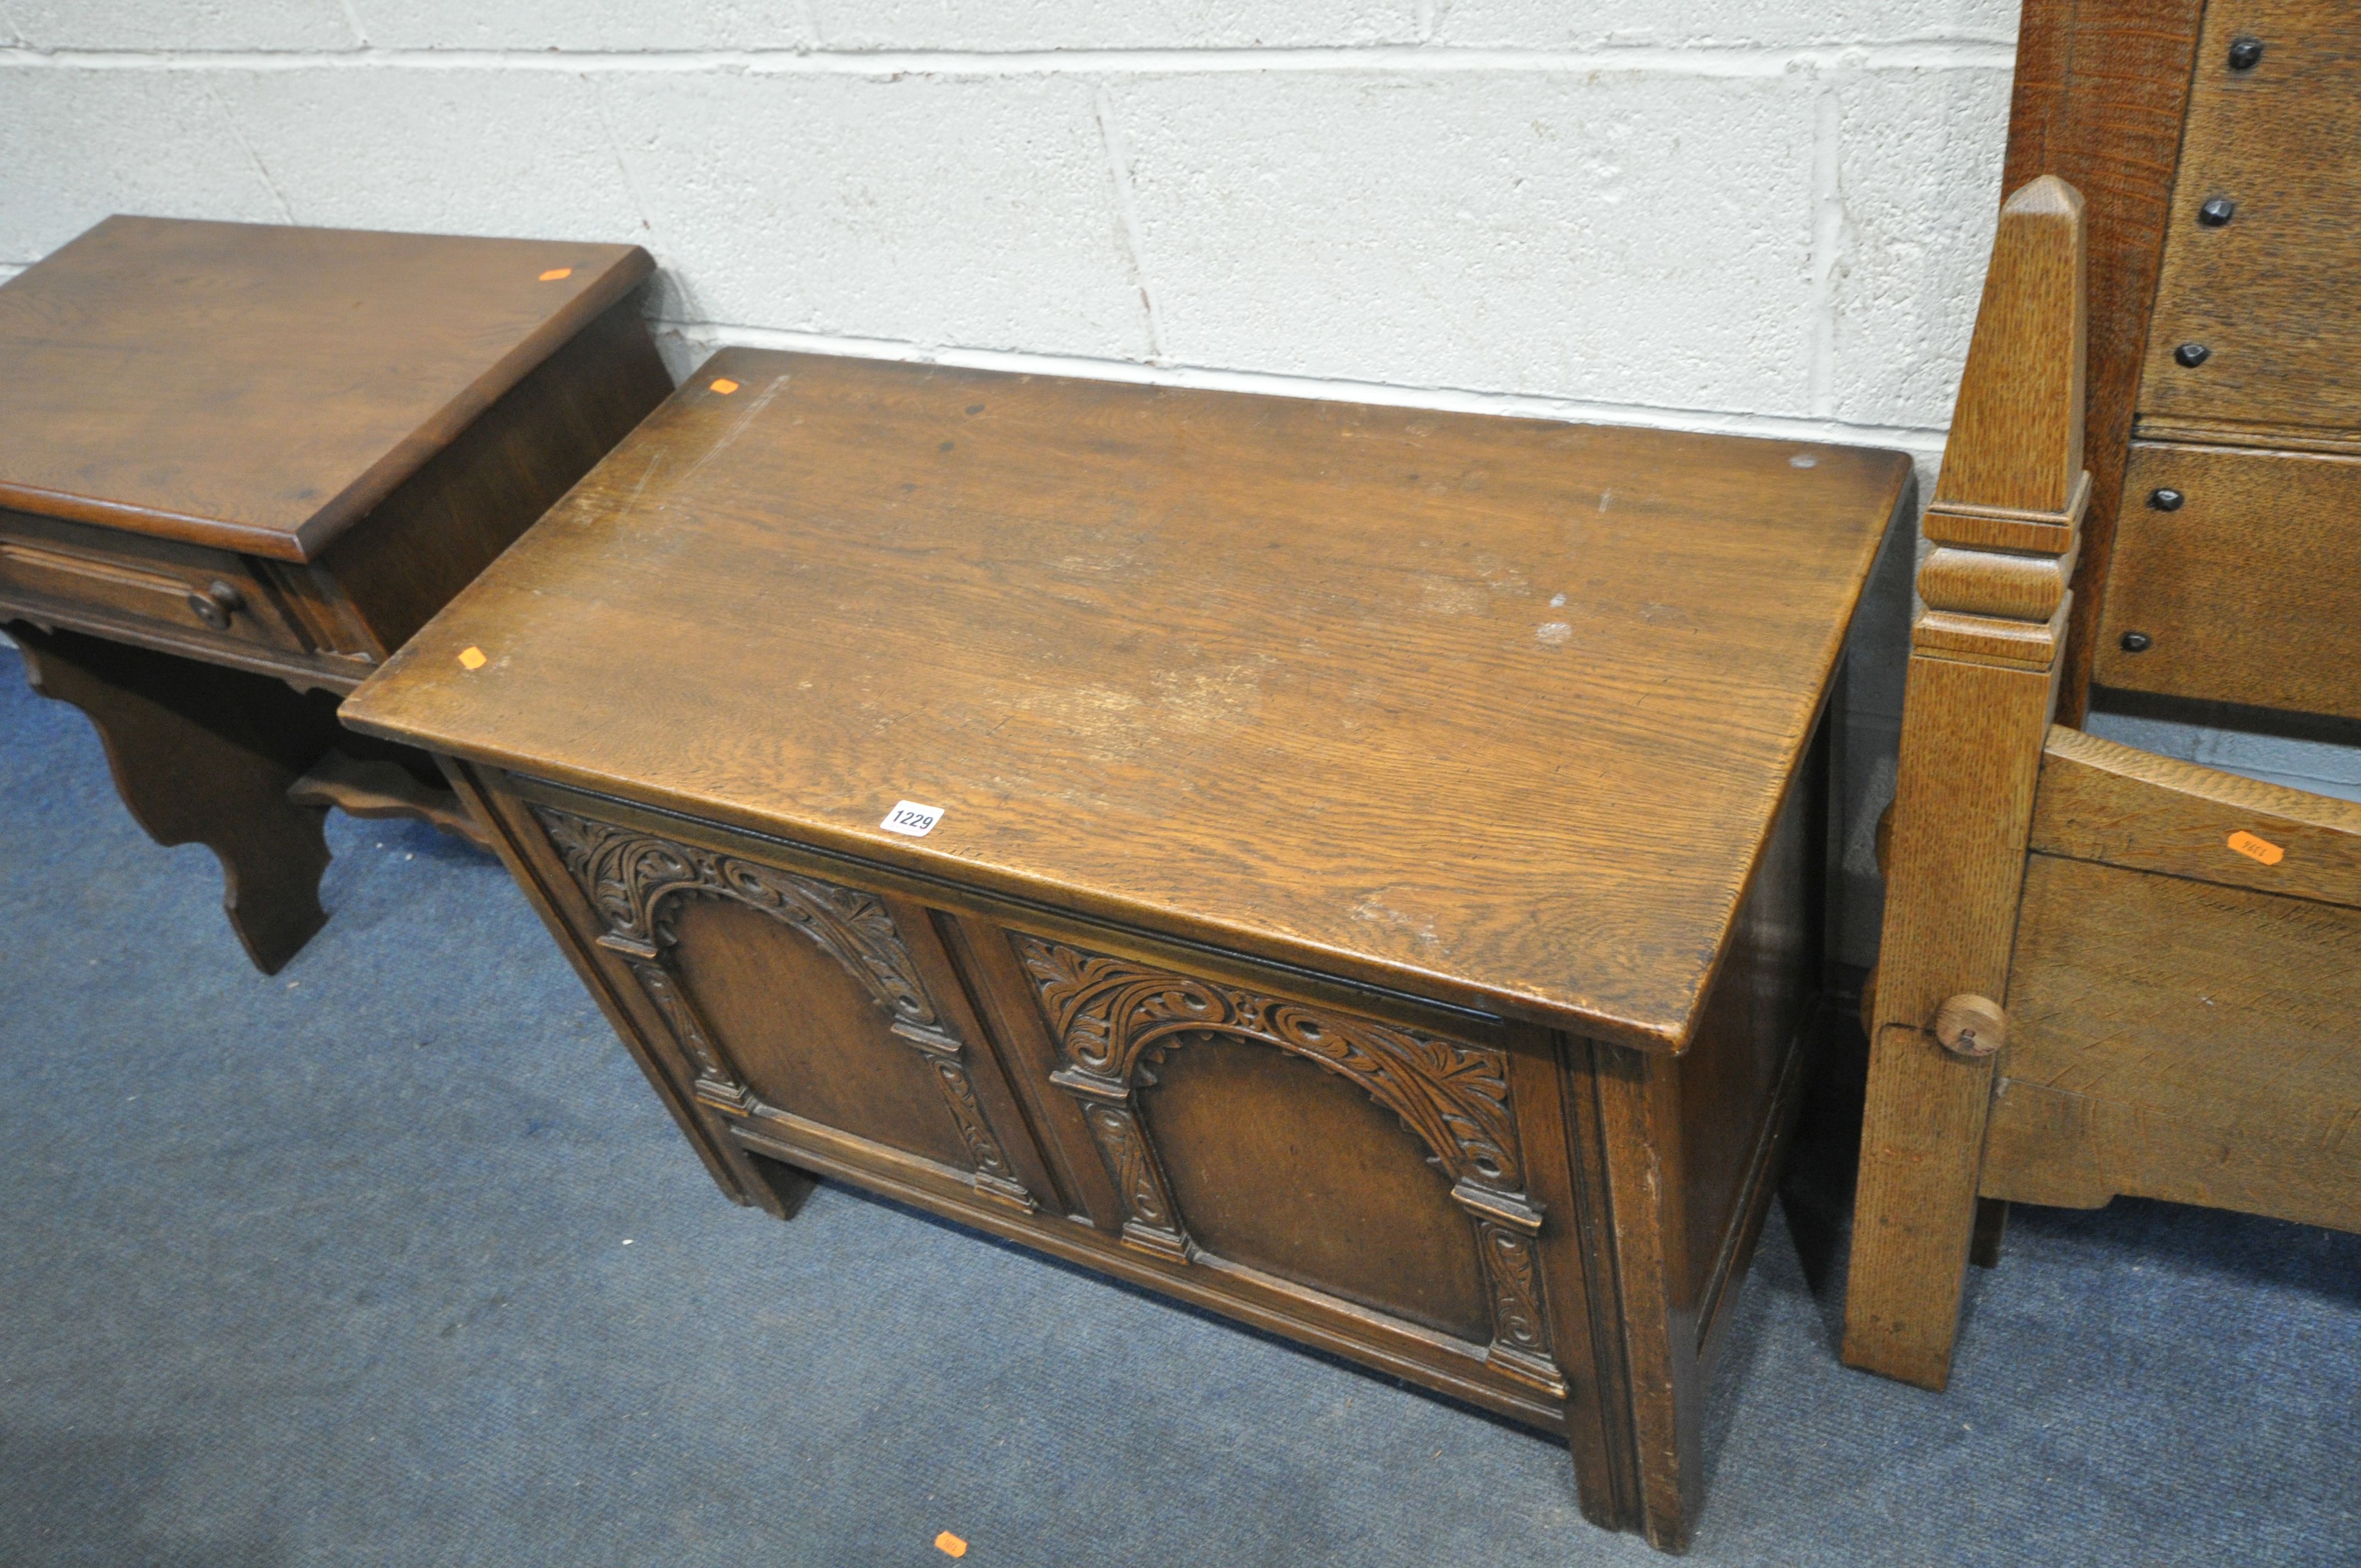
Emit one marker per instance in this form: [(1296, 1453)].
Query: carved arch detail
[(634, 880), (1111, 1016), (1109, 1013)]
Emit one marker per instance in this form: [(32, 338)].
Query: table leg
[(1991, 1225), (203, 754)]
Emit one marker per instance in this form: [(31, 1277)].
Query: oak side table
[(239, 464), (1358, 870)]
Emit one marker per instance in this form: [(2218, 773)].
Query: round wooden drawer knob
[(217, 605), (1970, 1027)]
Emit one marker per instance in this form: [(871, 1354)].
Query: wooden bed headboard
[(2222, 553)]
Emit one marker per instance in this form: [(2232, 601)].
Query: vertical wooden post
[(2004, 526)]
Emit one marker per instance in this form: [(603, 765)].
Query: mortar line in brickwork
[(1128, 209), (1701, 61), (1919, 441), (1828, 235)]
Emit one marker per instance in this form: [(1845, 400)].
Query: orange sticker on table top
[(2255, 848), (725, 385), (950, 1545), (556, 274), (473, 658)]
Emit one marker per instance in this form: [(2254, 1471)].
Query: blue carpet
[(394, 1258)]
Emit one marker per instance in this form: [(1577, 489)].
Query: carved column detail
[(1149, 1215), (1111, 1015), (714, 1080), (994, 1174), (631, 878), (1505, 1232)]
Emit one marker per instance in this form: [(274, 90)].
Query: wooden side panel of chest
[(1539, 1224)]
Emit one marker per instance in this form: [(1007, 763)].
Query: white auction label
[(909, 816)]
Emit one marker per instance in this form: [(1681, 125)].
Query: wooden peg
[(1969, 1025)]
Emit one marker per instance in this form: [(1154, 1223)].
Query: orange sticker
[(2255, 848), (473, 658), (556, 273), (725, 385), (950, 1545)]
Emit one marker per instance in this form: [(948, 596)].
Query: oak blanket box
[(1357, 870)]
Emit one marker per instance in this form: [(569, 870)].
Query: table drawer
[(2232, 578), (117, 576)]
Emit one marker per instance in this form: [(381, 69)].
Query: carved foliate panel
[(631, 876), (1110, 1015), (1108, 1012), (632, 880)]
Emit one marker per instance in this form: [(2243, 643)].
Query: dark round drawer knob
[(2136, 642), (2166, 499), (2216, 212), (2192, 354), (2246, 54), (217, 605)]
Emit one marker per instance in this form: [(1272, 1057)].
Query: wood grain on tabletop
[(260, 387), (1505, 704)]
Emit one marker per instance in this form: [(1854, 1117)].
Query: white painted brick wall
[(1754, 215), (1555, 24), (1509, 231), (158, 24), (1744, 215)]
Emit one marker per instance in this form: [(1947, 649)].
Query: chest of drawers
[(1357, 870)]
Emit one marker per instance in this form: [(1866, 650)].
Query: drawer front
[(1251, 1133), (117, 576), (2267, 294), (2247, 589)]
